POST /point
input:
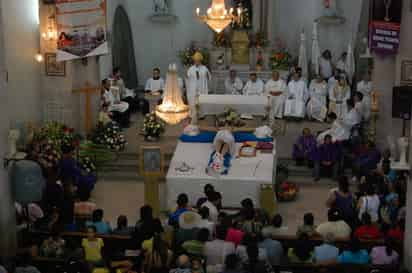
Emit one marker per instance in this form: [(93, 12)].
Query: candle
[(198, 11)]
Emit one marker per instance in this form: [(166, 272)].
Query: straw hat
[(197, 56), (189, 220)]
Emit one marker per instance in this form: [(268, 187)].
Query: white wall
[(21, 32), (295, 15)]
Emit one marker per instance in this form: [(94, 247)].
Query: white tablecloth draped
[(243, 181), (215, 104)]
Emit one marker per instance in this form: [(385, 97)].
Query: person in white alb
[(275, 88), (198, 77), (325, 63), (296, 97), (365, 88), (126, 94), (233, 84), (254, 86), (341, 63), (155, 84), (338, 95), (318, 91)]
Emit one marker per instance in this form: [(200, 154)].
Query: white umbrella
[(303, 60), (315, 50), (350, 63)]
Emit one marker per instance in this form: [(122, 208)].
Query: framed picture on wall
[(406, 72), (151, 161), (53, 67)]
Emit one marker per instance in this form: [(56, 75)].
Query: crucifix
[(88, 91)]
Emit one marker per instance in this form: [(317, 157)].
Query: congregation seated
[(217, 249), (233, 84), (93, 248), (302, 253), (102, 227), (308, 228), (276, 228), (196, 247), (327, 252), (158, 258), (254, 86), (367, 230), (386, 254), (335, 226), (54, 246), (354, 255), (305, 149), (327, 161), (122, 226)]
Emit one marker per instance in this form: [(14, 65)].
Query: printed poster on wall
[(81, 26)]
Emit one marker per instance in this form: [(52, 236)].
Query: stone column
[(8, 243)]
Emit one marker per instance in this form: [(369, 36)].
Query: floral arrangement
[(280, 58), (49, 139), (152, 126), (187, 54), (221, 40), (287, 191), (229, 117), (87, 165), (110, 136)]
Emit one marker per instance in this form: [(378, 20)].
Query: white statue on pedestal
[(14, 135), (161, 6), (403, 143)]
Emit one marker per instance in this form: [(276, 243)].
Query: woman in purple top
[(304, 150), (327, 159), (342, 200)]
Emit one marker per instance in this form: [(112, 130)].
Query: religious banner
[(81, 25), (385, 26)]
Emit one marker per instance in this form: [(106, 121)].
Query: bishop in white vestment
[(297, 97), (254, 86), (275, 89), (198, 77), (318, 91), (233, 84)]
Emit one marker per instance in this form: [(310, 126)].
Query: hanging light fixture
[(51, 33), (217, 16), (172, 110), (39, 57)]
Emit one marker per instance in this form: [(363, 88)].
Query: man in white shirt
[(212, 203), (297, 96), (254, 86), (155, 84), (233, 84), (275, 89)]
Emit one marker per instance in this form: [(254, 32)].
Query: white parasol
[(303, 60), (315, 50)]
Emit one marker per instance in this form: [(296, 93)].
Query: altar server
[(233, 84), (155, 84), (297, 96), (362, 106), (326, 67), (254, 86), (318, 91), (111, 99), (365, 87), (198, 77), (126, 94), (341, 63), (275, 88), (338, 96)]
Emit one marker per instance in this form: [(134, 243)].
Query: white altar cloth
[(215, 104), (245, 177)]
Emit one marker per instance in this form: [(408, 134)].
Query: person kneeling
[(328, 159)]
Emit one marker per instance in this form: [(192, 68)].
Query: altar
[(244, 180), (216, 104)]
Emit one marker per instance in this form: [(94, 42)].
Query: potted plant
[(152, 127)]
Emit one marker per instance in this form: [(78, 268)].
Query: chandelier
[(172, 110), (51, 33), (217, 16)]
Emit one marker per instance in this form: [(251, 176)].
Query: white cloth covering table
[(216, 104), (244, 180)]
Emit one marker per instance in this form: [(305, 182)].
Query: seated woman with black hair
[(102, 227)]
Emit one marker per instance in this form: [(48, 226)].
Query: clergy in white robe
[(155, 84), (275, 89), (254, 86), (341, 129), (318, 91), (365, 88), (111, 101), (233, 84), (363, 107), (296, 97), (341, 63), (198, 77), (325, 64), (338, 95), (125, 94)]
